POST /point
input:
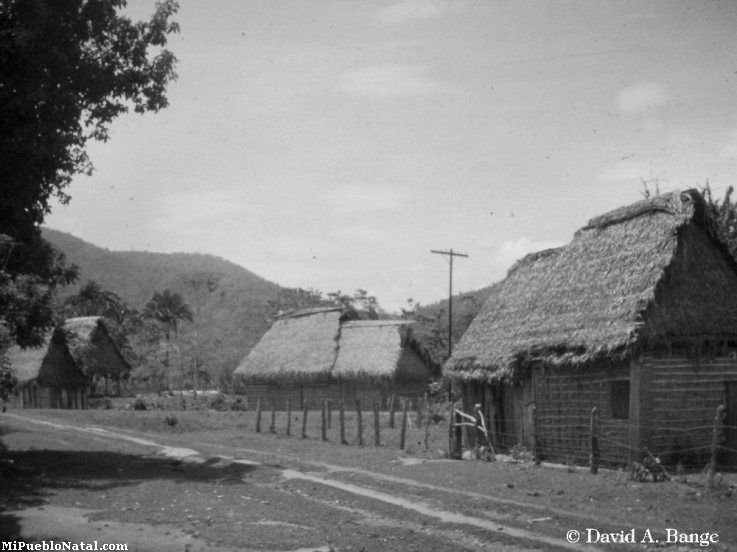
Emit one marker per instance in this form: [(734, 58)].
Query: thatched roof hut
[(298, 345), (315, 354), (93, 348), (50, 365), (596, 297)]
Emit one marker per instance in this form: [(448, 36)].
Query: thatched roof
[(91, 344), (302, 344), (49, 365), (603, 295), (374, 348), (316, 343)]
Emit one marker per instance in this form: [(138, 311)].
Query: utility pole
[(450, 253)]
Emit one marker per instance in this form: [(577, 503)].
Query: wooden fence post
[(392, 402), (403, 431), (289, 417), (272, 427), (716, 437), (594, 442), (359, 422), (451, 436), (258, 416), (341, 417), (418, 414), (304, 420), (535, 443), (323, 421), (377, 430)]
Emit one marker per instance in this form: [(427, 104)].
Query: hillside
[(232, 318)]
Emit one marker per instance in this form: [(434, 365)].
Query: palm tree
[(168, 308)]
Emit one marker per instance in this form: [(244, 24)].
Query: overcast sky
[(332, 144)]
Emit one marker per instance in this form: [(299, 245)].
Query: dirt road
[(173, 492)]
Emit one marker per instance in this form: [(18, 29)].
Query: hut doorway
[(730, 425)]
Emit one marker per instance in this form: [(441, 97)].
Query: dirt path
[(376, 507), (185, 492)]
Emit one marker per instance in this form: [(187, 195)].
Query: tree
[(199, 285), (168, 309), (67, 70), (93, 300), (724, 212)]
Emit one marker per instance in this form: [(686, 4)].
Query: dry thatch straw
[(380, 349), (649, 272), (299, 345)]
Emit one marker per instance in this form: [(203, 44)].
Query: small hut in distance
[(95, 351), (48, 376), (316, 354)]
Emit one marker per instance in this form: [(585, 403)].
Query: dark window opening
[(620, 399)]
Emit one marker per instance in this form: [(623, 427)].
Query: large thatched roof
[(49, 365), (302, 344), (640, 273), (317, 343)]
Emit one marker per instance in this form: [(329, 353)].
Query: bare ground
[(211, 483)]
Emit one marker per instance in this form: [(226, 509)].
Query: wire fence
[(575, 439)]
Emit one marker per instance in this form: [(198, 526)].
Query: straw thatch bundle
[(299, 345), (639, 274)]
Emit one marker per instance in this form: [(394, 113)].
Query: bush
[(139, 404)]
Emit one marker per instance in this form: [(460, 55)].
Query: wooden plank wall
[(681, 397)]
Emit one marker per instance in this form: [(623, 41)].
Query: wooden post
[(451, 439), (289, 417), (594, 443), (418, 414), (258, 416), (535, 437), (330, 413), (341, 418), (377, 431), (403, 431), (716, 437), (392, 402), (359, 423), (304, 419), (272, 427), (323, 421)]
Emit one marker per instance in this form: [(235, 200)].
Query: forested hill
[(232, 318)]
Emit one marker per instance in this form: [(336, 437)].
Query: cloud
[(387, 81), (409, 10), (642, 98)]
